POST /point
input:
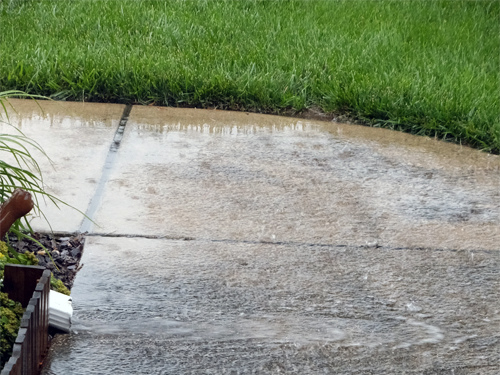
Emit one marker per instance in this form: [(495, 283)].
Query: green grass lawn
[(427, 67)]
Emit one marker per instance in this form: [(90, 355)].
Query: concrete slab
[(150, 306), (301, 251), (76, 137), (224, 175)]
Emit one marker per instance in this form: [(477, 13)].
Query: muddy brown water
[(253, 177), (266, 245)]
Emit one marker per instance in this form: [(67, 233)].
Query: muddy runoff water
[(193, 307), (266, 245), (219, 175)]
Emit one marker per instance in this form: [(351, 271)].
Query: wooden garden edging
[(29, 285)]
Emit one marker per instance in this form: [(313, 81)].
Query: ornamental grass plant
[(21, 172)]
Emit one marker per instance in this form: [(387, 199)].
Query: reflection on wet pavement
[(76, 138), (265, 178), (230, 243)]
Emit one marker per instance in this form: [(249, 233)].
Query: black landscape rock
[(63, 257)]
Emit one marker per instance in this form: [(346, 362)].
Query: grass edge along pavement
[(428, 67)]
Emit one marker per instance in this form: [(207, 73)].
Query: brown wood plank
[(20, 281)]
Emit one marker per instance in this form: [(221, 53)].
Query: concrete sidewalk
[(239, 243)]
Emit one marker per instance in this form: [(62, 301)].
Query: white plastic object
[(60, 311)]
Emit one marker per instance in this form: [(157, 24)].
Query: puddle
[(313, 247), (76, 137), (236, 176), (185, 307)]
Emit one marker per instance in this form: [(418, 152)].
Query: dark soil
[(65, 251)]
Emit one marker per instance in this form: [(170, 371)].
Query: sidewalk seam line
[(87, 223), (284, 243)]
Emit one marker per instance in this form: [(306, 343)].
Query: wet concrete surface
[(158, 306), (260, 244), (76, 137), (226, 175)]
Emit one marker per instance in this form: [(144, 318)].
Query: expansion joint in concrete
[(279, 243), (88, 221), (117, 139)]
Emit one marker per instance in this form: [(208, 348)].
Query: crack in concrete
[(279, 243)]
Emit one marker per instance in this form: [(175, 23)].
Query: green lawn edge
[(426, 67)]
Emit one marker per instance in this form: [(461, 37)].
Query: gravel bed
[(65, 253)]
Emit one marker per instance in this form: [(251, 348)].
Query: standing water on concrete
[(230, 243)]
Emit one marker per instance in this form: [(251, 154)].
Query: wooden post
[(18, 205), (20, 281)]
